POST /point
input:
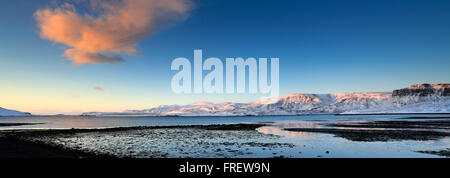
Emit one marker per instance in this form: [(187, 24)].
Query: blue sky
[(323, 46)]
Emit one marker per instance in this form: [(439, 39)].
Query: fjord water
[(89, 122), (306, 144)]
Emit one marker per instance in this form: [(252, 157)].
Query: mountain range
[(419, 98)]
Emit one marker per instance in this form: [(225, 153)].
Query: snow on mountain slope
[(293, 104), (198, 109), (415, 99), (6, 112), (320, 103), (440, 106)]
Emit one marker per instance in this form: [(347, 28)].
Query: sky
[(77, 56)]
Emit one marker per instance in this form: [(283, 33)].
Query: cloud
[(98, 88), (113, 27)]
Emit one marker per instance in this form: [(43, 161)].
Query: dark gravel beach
[(392, 130), (445, 153), (427, 124), (32, 143), (376, 135), (17, 124), (19, 148)]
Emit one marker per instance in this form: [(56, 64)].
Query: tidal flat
[(233, 140), (315, 136)]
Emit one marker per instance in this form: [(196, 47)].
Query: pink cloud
[(115, 29), (98, 88)]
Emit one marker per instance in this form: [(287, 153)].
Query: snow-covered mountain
[(321, 103), (439, 106), (419, 98), (422, 98), (6, 112)]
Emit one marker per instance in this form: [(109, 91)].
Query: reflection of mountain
[(278, 128), (280, 131), (423, 98), (6, 112)]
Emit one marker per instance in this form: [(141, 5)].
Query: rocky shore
[(140, 142)]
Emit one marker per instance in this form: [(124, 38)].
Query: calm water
[(306, 144), (68, 122)]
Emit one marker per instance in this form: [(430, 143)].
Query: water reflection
[(280, 131), (278, 128)]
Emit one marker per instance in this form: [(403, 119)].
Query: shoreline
[(392, 114), (17, 124), (305, 114), (16, 143), (19, 148)]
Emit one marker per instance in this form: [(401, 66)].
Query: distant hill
[(7, 112)]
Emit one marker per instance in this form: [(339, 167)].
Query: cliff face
[(442, 89)]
